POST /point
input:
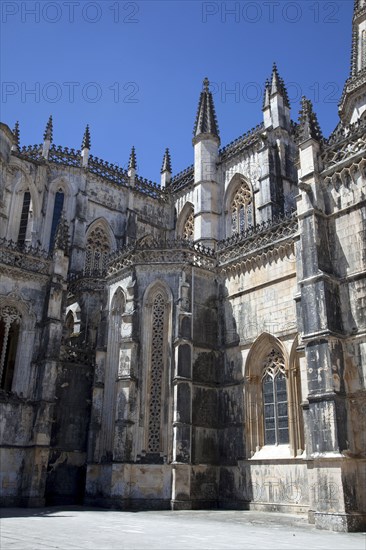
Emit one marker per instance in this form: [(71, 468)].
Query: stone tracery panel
[(156, 373), (188, 228), (97, 250), (242, 209)]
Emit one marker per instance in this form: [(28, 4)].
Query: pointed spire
[(278, 86), (308, 123), (16, 135), (48, 133), (167, 164), (166, 170), (132, 161), (62, 236), (206, 122), (86, 138), (275, 79)]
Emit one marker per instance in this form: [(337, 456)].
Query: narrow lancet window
[(274, 386)]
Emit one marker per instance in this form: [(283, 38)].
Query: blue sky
[(133, 70)]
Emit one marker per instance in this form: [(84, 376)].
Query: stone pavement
[(74, 528)]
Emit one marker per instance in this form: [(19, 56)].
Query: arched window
[(25, 216), (242, 209), (57, 211), (188, 228), (272, 399), (274, 388), (9, 334), (72, 320), (97, 251)]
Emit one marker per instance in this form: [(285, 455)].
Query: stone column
[(182, 415)]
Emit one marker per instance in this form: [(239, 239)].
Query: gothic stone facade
[(201, 343)]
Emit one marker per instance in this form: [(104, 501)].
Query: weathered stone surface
[(197, 345)]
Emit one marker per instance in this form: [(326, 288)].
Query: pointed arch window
[(9, 335), (97, 251), (57, 211), (188, 228), (242, 215), (25, 218), (275, 402)]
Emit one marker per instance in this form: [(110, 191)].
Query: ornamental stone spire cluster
[(278, 86), (166, 169), (206, 121), (167, 165), (308, 123), (48, 133), (132, 160), (86, 138), (276, 104), (85, 147), (47, 138)]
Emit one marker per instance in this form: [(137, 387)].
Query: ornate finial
[(308, 122), (278, 85), (86, 138), (48, 134), (16, 134), (62, 236), (167, 165), (132, 161), (206, 122)]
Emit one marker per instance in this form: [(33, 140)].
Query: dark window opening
[(57, 211), (24, 218)]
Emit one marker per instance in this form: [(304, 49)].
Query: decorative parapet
[(241, 143), (88, 280), (28, 259), (255, 239), (107, 171), (344, 143), (151, 251), (153, 190), (183, 179)]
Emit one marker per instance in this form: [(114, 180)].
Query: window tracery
[(188, 228), (242, 209), (274, 388), (97, 251)]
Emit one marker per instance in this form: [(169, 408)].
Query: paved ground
[(75, 528)]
